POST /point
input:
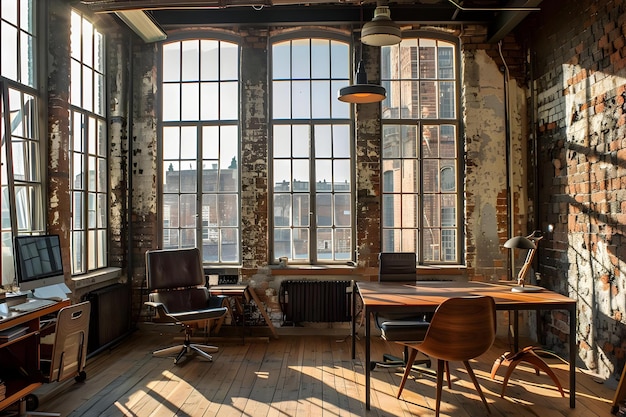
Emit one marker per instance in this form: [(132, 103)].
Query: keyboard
[(32, 304)]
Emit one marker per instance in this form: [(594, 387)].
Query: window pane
[(209, 60), (229, 61), (320, 99), (343, 210), (300, 59), (171, 106), (171, 62), (190, 98), (281, 70), (229, 101), (281, 92), (209, 95), (190, 60), (301, 98)]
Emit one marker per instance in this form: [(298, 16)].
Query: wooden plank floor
[(301, 376)]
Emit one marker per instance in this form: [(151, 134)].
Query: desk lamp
[(529, 353), (528, 242)]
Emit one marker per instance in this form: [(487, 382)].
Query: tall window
[(420, 150), (21, 172), (88, 147), (200, 148), (311, 151)]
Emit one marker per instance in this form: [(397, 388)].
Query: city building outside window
[(311, 151), (199, 148), (421, 195), (88, 147)]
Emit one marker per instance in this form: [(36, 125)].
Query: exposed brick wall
[(579, 65)]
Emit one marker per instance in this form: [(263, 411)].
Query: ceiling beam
[(507, 20)]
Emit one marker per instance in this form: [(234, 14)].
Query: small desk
[(427, 295), (19, 356), (234, 290)]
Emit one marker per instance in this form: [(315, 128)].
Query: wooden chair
[(65, 358), (461, 329), (69, 351)]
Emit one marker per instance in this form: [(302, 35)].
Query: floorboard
[(304, 376)]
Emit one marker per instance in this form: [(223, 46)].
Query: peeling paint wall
[(488, 199), (58, 162)]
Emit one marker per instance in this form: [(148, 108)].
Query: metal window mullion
[(420, 195), (9, 156), (85, 188), (199, 185), (313, 197)]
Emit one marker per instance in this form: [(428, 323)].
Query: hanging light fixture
[(381, 30), (362, 92)]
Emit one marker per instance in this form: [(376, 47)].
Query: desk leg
[(572, 356), (515, 330), (367, 359), (354, 322), (268, 321)]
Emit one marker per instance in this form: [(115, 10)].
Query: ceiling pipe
[(494, 9)]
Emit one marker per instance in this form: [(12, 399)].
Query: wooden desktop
[(427, 295)]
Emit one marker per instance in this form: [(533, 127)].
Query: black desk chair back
[(399, 327)]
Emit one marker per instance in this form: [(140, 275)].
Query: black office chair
[(177, 293), (399, 327)]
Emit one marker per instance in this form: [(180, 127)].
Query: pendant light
[(381, 30), (362, 92)]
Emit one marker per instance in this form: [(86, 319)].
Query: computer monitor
[(38, 262)]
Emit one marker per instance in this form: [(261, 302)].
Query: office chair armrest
[(159, 307)]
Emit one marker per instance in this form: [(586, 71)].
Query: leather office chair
[(176, 282), (399, 327), (461, 329)]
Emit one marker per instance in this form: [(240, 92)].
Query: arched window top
[(420, 75)]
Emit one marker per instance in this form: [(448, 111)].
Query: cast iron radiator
[(110, 316), (315, 301)]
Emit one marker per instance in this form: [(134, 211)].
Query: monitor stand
[(55, 292)]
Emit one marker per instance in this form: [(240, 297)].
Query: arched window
[(420, 148), (311, 151), (199, 148)]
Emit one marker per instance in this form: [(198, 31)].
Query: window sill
[(422, 270), (102, 276)]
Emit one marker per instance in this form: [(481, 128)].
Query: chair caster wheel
[(32, 402), (81, 377)]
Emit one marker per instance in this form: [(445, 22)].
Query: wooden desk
[(234, 290), (427, 295), (19, 356)]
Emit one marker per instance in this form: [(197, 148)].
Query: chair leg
[(440, 370), (475, 381), (407, 370), (448, 374)]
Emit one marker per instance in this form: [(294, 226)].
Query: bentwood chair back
[(461, 329)]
